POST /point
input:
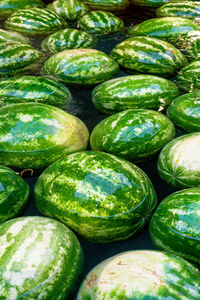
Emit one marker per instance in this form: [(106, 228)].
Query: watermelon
[(14, 193), (170, 29), (35, 21), (174, 226), (23, 88), (134, 134), (184, 111), (188, 78), (148, 55), (80, 67), (66, 39), (179, 161), (18, 58), (186, 9), (108, 5), (141, 275), (100, 196), (149, 3), (40, 259), (68, 10), (11, 36), (32, 136), (100, 22), (134, 91), (7, 7)]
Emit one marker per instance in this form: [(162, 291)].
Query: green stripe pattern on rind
[(66, 39), (14, 193), (141, 275), (184, 111), (167, 28), (7, 7), (80, 67), (135, 91), (175, 226), (70, 10), (149, 3), (100, 22), (179, 161), (188, 78), (148, 55), (19, 59), (32, 136), (186, 9), (108, 5), (134, 134), (35, 21), (40, 259), (23, 89), (102, 197), (11, 36)]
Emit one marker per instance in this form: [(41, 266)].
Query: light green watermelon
[(188, 78), (40, 258), (100, 196), (141, 275), (179, 161), (184, 9), (108, 5), (11, 36)]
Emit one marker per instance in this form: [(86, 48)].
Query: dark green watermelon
[(175, 225), (8, 7), (35, 21), (40, 258), (100, 196), (68, 10), (149, 3), (108, 5), (184, 9), (148, 55), (142, 275), (134, 134), (81, 67), (100, 22), (188, 78), (184, 111), (23, 89), (66, 39), (136, 91), (179, 161), (14, 193), (32, 136)]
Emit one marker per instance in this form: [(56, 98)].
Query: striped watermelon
[(80, 67), (102, 197), (170, 29), (174, 226), (70, 10), (11, 36), (35, 21), (179, 161), (134, 134), (188, 78), (184, 111), (14, 193), (142, 275), (185, 9), (22, 89), (40, 259), (32, 136), (149, 3), (136, 91), (66, 39), (100, 22), (148, 55), (7, 7), (108, 5), (19, 59)]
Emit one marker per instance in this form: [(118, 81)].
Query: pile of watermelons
[(100, 117)]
